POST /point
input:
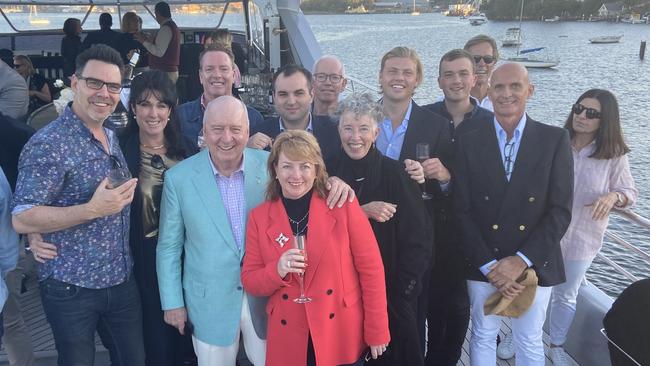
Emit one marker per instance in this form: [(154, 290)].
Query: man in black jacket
[(292, 98), (105, 35), (513, 192), (405, 126)]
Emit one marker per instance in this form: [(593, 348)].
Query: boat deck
[(45, 351)]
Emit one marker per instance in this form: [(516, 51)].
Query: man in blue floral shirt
[(63, 192)]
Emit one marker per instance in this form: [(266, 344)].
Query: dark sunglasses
[(591, 113), (487, 59), (18, 65), (158, 164)]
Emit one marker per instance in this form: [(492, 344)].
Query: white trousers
[(211, 355), (563, 300), (526, 330)]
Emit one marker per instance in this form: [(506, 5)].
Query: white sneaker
[(559, 356), (506, 349)]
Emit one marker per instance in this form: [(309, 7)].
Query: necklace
[(298, 222), (153, 147)]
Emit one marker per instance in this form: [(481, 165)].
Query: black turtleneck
[(298, 210), (356, 172)]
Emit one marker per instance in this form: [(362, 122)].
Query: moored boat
[(606, 39), (512, 37)]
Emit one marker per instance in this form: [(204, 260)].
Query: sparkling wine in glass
[(422, 154), (299, 243)]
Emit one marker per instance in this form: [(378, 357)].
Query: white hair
[(329, 57)]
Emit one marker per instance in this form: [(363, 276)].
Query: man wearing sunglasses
[(63, 192), (486, 54), (513, 193), (14, 97), (329, 82), (448, 314)]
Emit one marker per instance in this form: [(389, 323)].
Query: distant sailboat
[(530, 61), (415, 12), (33, 17)]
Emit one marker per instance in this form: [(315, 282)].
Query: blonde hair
[(296, 145), (130, 22), (28, 62), (406, 53), (220, 37)]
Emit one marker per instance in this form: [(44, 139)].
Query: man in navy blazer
[(292, 98), (513, 192), (216, 73)]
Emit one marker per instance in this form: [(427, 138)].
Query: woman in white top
[(602, 181)]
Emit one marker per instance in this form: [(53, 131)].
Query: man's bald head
[(225, 132), (509, 91), (226, 106)]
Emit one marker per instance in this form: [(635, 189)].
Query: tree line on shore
[(497, 9)]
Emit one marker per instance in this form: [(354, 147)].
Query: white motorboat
[(478, 19), (606, 39), (552, 20), (532, 61), (512, 37)]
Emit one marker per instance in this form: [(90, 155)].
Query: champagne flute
[(422, 154), (299, 243)]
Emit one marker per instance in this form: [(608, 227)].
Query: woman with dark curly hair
[(152, 144)]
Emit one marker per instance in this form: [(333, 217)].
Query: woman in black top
[(70, 46), (392, 202), (127, 43), (151, 145), (39, 91)]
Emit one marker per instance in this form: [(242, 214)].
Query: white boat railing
[(634, 218)]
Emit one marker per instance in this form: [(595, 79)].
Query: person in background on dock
[(405, 125), (512, 196), (292, 98), (70, 47), (165, 48), (602, 182), (39, 91), (329, 82), (105, 35), (448, 313), (216, 73), (486, 54), (68, 190)]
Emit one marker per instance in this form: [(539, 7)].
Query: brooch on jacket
[(281, 239)]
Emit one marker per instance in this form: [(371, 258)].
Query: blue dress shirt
[(389, 142)]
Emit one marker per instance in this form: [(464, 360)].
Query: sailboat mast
[(521, 14)]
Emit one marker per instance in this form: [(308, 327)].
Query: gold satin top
[(150, 183)]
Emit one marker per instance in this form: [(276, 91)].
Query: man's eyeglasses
[(508, 151), (96, 84), (591, 113), (334, 78), (487, 59), (158, 163)]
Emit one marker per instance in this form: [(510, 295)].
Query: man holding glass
[(513, 193), (64, 191)]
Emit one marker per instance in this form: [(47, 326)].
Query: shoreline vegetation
[(494, 9)]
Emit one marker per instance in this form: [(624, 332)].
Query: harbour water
[(361, 40)]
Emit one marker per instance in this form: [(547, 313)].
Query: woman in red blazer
[(343, 271)]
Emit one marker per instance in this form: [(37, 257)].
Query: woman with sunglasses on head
[(39, 91), (602, 182), (152, 144)]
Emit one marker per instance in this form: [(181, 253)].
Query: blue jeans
[(75, 313)]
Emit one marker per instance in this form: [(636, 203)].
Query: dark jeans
[(311, 356), (75, 313)]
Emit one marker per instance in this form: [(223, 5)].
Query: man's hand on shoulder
[(339, 192), (259, 141)]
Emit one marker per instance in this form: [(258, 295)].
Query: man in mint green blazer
[(205, 204)]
